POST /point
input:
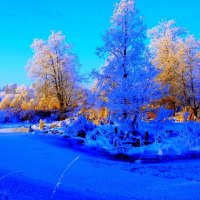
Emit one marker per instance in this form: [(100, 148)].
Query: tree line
[(137, 77)]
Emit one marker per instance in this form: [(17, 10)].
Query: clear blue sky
[(82, 21)]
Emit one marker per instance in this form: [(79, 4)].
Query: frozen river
[(42, 167)]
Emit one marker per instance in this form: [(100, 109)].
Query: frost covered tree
[(125, 81), (54, 68), (192, 74), (22, 97), (10, 89), (176, 56), (6, 101), (16, 98), (167, 50)]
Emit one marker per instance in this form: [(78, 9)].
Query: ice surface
[(34, 164)]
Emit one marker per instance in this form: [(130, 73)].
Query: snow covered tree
[(54, 68), (167, 50), (176, 56), (192, 65), (10, 89), (6, 101), (22, 97), (125, 82)]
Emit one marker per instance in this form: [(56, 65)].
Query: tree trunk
[(193, 114), (61, 102)]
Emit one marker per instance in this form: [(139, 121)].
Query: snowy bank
[(152, 142)]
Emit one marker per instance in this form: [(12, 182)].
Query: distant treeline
[(136, 80)]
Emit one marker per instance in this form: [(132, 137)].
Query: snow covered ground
[(31, 166)]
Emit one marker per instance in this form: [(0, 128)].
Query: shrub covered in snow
[(113, 137), (6, 116), (152, 139), (178, 139), (161, 139), (26, 115), (12, 116), (79, 127), (163, 114)]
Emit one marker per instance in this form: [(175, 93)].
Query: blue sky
[(82, 21)]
